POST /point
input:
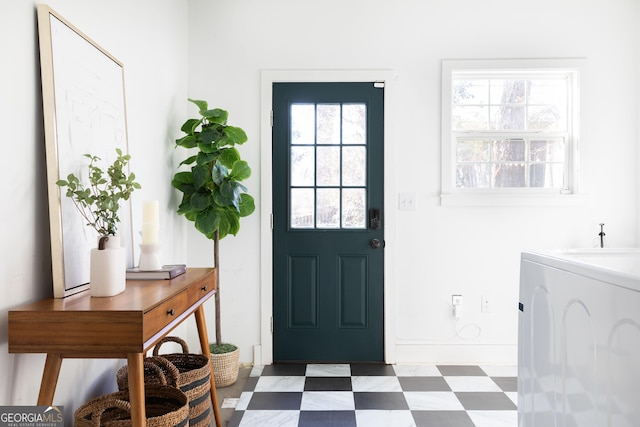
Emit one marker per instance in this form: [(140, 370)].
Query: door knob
[(375, 243)]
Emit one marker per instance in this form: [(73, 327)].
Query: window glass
[(508, 128), (328, 164)]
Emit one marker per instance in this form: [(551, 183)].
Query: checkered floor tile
[(366, 395)]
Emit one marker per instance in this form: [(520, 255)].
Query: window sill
[(525, 200)]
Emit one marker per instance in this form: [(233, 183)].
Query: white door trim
[(264, 353)]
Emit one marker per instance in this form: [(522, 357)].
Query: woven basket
[(193, 378), (225, 367), (165, 406)]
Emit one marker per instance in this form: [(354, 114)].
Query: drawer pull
[(171, 312), (204, 289)]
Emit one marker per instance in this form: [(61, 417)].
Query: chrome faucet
[(601, 234)]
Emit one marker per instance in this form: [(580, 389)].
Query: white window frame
[(526, 196)]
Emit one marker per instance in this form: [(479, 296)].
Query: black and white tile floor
[(369, 395)]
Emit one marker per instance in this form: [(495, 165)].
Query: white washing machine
[(579, 338)]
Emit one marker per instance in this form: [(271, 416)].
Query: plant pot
[(225, 367), (108, 269)]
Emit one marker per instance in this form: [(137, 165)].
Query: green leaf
[(216, 115), (208, 135), (187, 141), (207, 222), (230, 191), (200, 201), (200, 176), (182, 179), (228, 156), (206, 158), (221, 200), (219, 173), (190, 126), (240, 170), (191, 215), (207, 148), (189, 160), (229, 222), (202, 105), (247, 205), (235, 135)]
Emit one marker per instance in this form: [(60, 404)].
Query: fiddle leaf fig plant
[(99, 202), (212, 194)]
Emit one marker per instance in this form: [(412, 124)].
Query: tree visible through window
[(508, 128)]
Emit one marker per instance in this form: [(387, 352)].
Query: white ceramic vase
[(108, 269)]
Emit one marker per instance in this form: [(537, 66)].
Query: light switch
[(407, 201)]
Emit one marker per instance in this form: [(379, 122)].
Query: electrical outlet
[(456, 300), (485, 304)]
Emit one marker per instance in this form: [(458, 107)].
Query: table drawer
[(198, 291), (164, 314)]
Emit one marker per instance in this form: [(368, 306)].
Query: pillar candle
[(150, 222)]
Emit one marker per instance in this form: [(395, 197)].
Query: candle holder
[(150, 256)]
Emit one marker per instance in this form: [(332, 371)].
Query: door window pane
[(353, 208), (354, 166), (302, 165), (328, 207), (302, 208), (328, 123), (328, 161), (354, 124), (328, 167), (302, 124)]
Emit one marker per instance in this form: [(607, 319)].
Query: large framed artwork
[(84, 111)]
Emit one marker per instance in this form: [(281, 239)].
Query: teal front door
[(328, 223)]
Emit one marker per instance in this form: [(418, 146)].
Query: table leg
[(49, 379), (136, 389), (204, 345)]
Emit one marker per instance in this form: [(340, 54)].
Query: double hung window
[(509, 127)]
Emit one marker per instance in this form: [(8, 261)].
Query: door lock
[(375, 243), (374, 219)]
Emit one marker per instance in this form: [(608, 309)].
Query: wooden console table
[(123, 326)]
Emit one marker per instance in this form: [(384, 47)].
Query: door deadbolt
[(374, 219)]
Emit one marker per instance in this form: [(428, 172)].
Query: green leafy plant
[(99, 202), (212, 194), (213, 197)]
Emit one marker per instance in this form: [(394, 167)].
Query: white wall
[(150, 38), (440, 250)]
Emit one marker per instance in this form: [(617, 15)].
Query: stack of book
[(166, 272)]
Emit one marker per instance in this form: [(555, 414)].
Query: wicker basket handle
[(183, 344), (165, 369), (152, 364), (97, 410)]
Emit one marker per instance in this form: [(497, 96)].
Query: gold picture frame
[(83, 101)]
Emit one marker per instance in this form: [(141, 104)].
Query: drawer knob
[(204, 289), (171, 312)]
